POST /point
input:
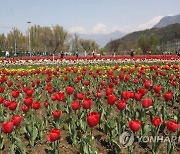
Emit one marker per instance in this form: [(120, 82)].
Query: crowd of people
[(62, 54)]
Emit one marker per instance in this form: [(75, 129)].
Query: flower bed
[(85, 105)]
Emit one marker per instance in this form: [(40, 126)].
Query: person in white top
[(7, 54), (85, 54)]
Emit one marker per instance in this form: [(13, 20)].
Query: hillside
[(168, 20), (165, 34)]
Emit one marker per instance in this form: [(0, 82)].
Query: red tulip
[(121, 105), (168, 96), (138, 96), (66, 77), (94, 76), (157, 89), (111, 85), (12, 106), (147, 84), (25, 89), (15, 93), (56, 114), (126, 95), (6, 103), (50, 90), (103, 83), (111, 99), (93, 119), (131, 94), (38, 81), (172, 125), (69, 90), (121, 76), (86, 103), (25, 108), (28, 101), (135, 81), (171, 78), (76, 80), (46, 104), (80, 96), (18, 85), (174, 83), (53, 135), (156, 121), (147, 102), (127, 78), (53, 97), (135, 125), (16, 120), (33, 84), (9, 83), (116, 82), (75, 105), (29, 92), (142, 91), (1, 99), (60, 96), (86, 82), (1, 89), (98, 94), (7, 127), (109, 91), (36, 105), (79, 77)]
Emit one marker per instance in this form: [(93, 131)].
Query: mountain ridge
[(164, 34), (167, 20), (103, 39)]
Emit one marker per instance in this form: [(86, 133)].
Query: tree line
[(45, 39)]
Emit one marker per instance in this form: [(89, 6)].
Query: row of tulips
[(88, 60), (86, 99)]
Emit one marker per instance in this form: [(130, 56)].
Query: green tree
[(153, 41), (89, 45), (2, 42), (143, 43)]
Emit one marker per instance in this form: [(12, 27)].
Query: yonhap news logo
[(127, 138)]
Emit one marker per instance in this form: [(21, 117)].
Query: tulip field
[(82, 106)]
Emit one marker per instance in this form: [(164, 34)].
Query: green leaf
[(147, 129), (35, 133), (27, 130), (94, 148), (117, 146), (85, 149), (1, 142), (19, 145)]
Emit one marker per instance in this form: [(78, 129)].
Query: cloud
[(97, 29), (150, 23), (131, 27), (100, 29), (124, 28), (77, 29), (170, 14)]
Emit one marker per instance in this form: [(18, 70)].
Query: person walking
[(77, 53), (93, 53), (132, 53), (85, 53), (62, 54), (7, 54)]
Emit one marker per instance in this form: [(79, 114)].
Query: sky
[(86, 16)]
